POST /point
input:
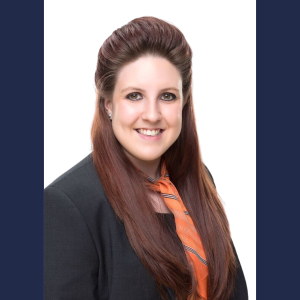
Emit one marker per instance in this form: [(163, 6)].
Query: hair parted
[(161, 252)]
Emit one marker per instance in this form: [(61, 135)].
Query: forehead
[(149, 72)]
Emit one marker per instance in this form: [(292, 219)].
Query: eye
[(168, 96), (133, 96)]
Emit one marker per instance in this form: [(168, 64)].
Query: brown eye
[(168, 96), (133, 96)]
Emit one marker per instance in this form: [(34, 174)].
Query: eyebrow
[(138, 89)]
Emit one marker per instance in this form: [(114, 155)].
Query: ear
[(108, 105)]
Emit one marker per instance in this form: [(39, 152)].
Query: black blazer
[(87, 255)]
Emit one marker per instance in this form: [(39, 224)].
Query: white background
[(222, 37)]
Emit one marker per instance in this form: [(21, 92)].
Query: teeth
[(149, 132)]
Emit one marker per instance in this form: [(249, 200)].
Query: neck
[(148, 167)]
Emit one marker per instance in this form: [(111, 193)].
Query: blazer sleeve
[(70, 256), (240, 289)]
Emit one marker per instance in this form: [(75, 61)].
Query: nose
[(151, 110)]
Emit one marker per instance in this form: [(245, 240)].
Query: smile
[(147, 132)]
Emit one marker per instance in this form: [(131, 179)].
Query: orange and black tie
[(185, 228)]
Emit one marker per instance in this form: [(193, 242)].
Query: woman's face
[(146, 107)]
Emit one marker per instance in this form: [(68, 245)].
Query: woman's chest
[(121, 272)]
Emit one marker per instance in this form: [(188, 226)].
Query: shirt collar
[(163, 171)]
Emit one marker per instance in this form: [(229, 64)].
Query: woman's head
[(143, 79)]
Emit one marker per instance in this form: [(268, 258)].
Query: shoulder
[(209, 174), (79, 187), (85, 165), (82, 178)]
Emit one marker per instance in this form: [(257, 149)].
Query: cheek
[(125, 114), (174, 118)]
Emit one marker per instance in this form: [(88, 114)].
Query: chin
[(148, 157)]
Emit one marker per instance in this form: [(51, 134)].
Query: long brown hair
[(160, 252)]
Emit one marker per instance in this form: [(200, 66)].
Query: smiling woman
[(140, 217)]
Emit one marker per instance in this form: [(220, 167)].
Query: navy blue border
[(278, 150), (22, 149)]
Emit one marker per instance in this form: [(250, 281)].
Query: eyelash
[(174, 96)]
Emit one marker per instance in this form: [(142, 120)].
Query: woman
[(140, 218)]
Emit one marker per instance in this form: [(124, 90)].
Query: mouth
[(149, 132)]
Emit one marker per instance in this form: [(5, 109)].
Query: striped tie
[(185, 228)]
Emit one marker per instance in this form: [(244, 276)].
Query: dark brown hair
[(160, 251)]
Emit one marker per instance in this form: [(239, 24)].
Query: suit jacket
[(87, 255)]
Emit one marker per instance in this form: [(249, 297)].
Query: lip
[(149, 128), (149, 137)]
